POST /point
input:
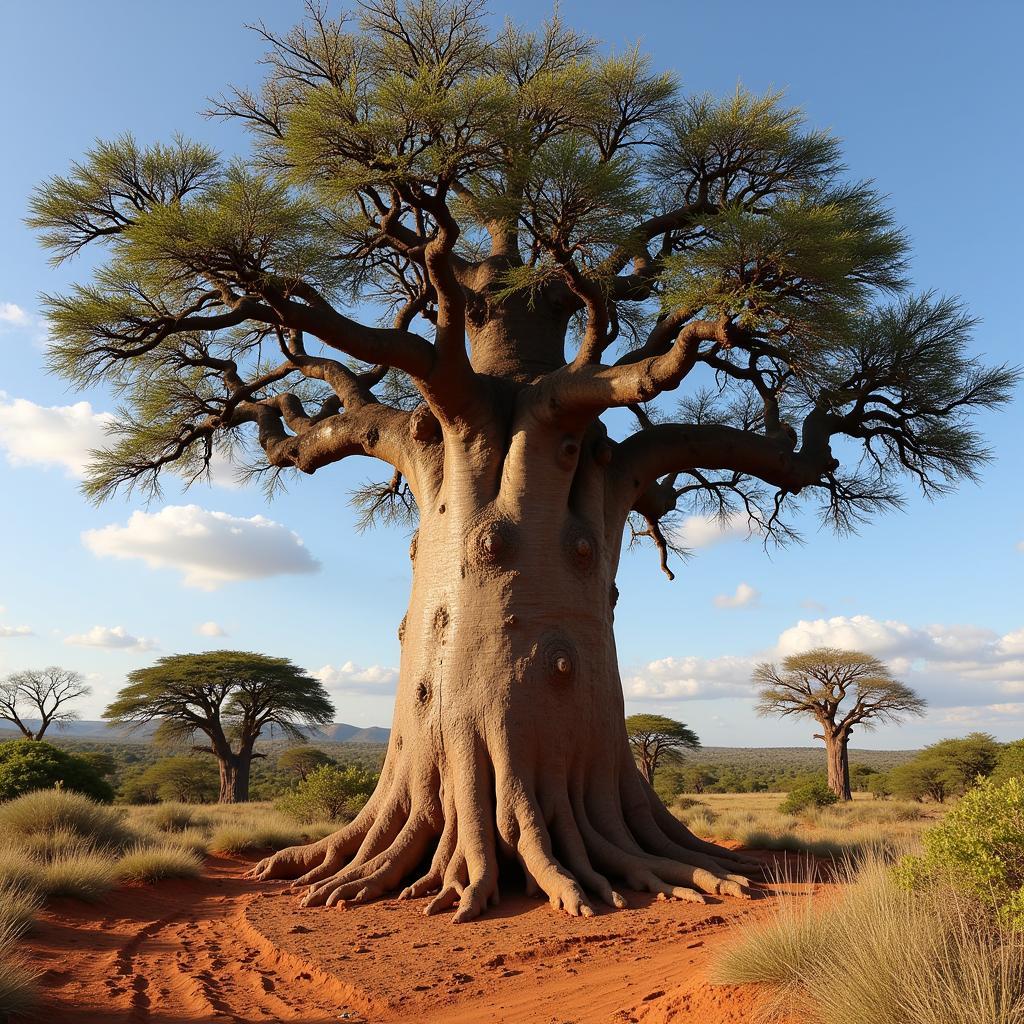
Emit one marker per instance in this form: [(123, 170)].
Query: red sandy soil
[(220, 948)]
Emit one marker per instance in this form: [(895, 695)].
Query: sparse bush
[(57, 813), (978, 847), (83, 875), (330, 792), (152, 863), (813, 792), (28, 765), (835, 964)]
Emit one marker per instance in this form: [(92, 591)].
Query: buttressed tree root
[(549, 234)]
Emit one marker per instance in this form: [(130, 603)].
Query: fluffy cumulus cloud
[(13, 315), (705, 531), (111, 638), (211, 629), (352, 678), (51, 435), (10, 631), (744, 596), (208, 548), (972, 673)]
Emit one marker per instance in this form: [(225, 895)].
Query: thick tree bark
[(837, 755), (508, 740), (234, 777)]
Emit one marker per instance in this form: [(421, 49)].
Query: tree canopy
[(839, 689), (657, 740), (465, 183), (228, 697)]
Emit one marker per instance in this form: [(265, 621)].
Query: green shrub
[(27, 765), (330, 792), (182, 779), (152, 863), (55, 815), (813, 792), (1011, 762), (978, 847)]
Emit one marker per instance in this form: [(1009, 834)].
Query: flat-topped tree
[(547, 233), (840, 690), (225, 700)]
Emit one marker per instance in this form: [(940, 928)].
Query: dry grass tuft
[(882, 954), (153, 863), (55, 812)]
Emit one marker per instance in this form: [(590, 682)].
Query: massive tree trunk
[(837, 755), (234, 777), (508, 739)]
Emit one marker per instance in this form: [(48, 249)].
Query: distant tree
[(190, 780), (40, 696), (947, 768), (1011, 762), (230, 697), (967, 759), (27, 765), (657, 740), (840, 690), (861, 775), (301, 761), (924, 778), (103, 762), (697, 778)]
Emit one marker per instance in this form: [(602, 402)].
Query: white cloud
[(13, 314), (952, 666), (51, 435), (352, 678), (670, 678), (114, 638), (705, 531), (208, 548), (9, 631), (211, 629), (744, 596)]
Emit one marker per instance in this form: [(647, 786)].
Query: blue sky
[(926, 98)]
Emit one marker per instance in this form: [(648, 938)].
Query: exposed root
[(572, 844)]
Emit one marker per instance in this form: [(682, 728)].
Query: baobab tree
[(34, 699), (657, 740), (547, 234), (840, 690), (226, 699)]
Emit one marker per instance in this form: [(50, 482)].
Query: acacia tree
[(231, 698), (656, 740), (547, 234), (839, 690), (35, 699)]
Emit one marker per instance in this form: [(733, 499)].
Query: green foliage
[(49, 812), (809, 794), (183, 778), (330, 792), (301, 761), (947, 768), (27, 765), (1011, 762), (979, 847)]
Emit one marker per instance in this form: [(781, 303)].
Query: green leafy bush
[(978, 847), (27, 765), (1011, 762), (810, 793), (331, 792)]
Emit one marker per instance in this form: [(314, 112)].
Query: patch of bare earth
[(220, 948)]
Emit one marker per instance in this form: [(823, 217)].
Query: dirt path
[(223, 949)]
